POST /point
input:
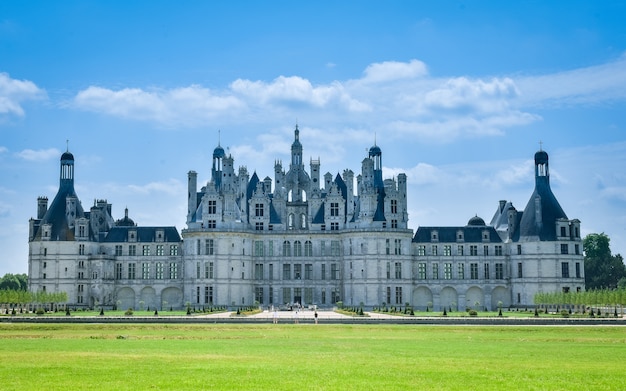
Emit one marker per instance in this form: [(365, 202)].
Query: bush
[(129, 312), (40, 311), (472, 312), (565, 313)]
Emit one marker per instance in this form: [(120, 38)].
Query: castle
[(302, 238)]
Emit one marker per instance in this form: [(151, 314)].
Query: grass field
[(310, 357)]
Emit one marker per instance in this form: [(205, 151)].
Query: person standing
[(315, 317)]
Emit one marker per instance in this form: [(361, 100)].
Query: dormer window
[(132, 236), (434, 236)]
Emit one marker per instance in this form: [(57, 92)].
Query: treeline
[(15, 282), (20, 298), (590, 298)]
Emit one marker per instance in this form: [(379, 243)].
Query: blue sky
[(457, 95)]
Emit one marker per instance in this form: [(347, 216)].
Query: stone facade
[(302, 238)]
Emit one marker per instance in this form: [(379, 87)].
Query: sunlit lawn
[(306, 356)]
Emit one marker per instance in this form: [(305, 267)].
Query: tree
[(602, 270), (15, 282)]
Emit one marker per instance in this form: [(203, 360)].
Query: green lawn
[(268, 357)]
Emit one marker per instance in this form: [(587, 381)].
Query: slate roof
[(471, 234), (144, 234)]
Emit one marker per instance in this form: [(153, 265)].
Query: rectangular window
[(474, 271), (118, 250), (519, 249), (131, 271), (286, 295), (388, 270), (308, 248), (258, 248), (211, 224), (387, 247), (394, 206), (258, 271), (334, 226), (577, 269), (399, 295), (498, 250), (270, 248), (323, 273), (563, 231), (398, 270), (118, 271), (145, 250), (258, 294), (258, 210), (173, 270), (159, 271), (421, 250), (197, 295), (398, 246), (198, 269), (145, 271), (565, 269), (421, 271), (564, 248), (159, 250), (473, 250), (209, 247), (212, 207), (499, 271), (389, 295), (208, 270), (577, 249), (271, 272), (435, 271), (447, 271), (394, 223), (308, 295), (308, 272), (460, 250), (208, 295), (286, 271), (334, 271), (297, 271), (173, 249), (486, 271), (433, 249), (258, 226), (461, 271), (486, 250), (334, 248), (447, 250), (81, 249), (334, 209), (520, 273)]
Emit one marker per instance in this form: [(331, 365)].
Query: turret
[(192, 198)]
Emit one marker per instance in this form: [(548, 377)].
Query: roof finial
[(540, 145), (67, 145), (374, 138), (219, 138)]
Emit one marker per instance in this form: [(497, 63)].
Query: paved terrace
[(324, 317)]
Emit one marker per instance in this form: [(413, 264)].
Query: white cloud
[(594, 84), (477, 95), (13, 92), (397, 98), (38, 155), (188, 105), (3, 150), (393, 70), (170, 186)]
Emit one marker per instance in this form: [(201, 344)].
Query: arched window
[(308, 249), (291, 222), (297, 248), (303, 221), (286, 248)]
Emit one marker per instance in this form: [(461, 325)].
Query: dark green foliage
[(602, 270)]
